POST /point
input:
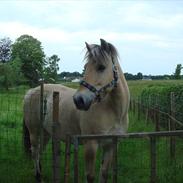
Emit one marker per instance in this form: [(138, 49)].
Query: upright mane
[(101, 53)]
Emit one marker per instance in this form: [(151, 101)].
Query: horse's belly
[(68, 123)]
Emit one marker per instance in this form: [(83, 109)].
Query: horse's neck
[(120, 95)]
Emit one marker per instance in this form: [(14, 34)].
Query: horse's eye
[(101, 68)]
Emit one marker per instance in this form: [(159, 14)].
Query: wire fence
[(138, 158), (166, 112)]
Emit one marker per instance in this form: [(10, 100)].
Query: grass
[(133, 155), (137, 86)]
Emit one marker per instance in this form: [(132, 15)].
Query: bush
[(160, 96)]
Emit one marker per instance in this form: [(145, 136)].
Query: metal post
[(153, 159), (55, 140), (115, 153), (67, 159), (76, 170)]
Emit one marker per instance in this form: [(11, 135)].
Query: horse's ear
[(104, 45), (88, 47)]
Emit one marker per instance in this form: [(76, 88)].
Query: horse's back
[(68, 115)]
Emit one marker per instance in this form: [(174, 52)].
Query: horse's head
[(100, 75)]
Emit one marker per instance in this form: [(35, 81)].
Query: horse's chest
[(98, 123)]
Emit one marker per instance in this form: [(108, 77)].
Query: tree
[(5, 67), (139, 76), (5, 49), (50, 71), (177, 74), (30, 53)]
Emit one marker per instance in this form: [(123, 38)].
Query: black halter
[(98, 92)]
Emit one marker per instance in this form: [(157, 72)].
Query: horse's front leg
[(90, 149), (106, 162)]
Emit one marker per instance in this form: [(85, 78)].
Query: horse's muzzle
[(83, 101)]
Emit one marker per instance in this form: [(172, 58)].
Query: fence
[(153, 138), (138, 158), (168, 116)]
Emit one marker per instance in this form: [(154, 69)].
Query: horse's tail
[(26, 139)]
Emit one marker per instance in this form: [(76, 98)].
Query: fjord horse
[(99, 106)]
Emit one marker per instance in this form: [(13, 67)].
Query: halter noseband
[(98, 92)]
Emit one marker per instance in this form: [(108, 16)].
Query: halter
[(98, 92)]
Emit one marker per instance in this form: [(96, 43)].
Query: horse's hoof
[(38, 178)]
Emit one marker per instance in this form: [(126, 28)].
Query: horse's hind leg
[(35, 148), (106, 162), (37, 151), (90, 148)]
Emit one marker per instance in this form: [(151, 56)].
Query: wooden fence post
[(115, 160), (55, 141), (139, 108), (157, 114), (172, 125), (148, 108), (76, 170), (153, 159), (41, 113), (67, 159)]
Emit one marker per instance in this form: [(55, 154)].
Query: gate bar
[(67, 159), (76, 170), (115, 160), (55, 140), (153, 159)]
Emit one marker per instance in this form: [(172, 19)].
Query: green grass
[(133, 155), (137, 86)]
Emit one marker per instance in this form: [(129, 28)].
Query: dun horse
[(99, 106)]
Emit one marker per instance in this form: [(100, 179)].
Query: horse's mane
[(101, 54)]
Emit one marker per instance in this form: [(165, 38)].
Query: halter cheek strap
[(98, 92)]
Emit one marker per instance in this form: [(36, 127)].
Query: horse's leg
[(35, 148), (106, 162), (90, 149)]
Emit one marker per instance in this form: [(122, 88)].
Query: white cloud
[(141, 27), (15, 29)]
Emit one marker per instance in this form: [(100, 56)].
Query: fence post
[(41, 113), (157, 116), (148, 108), (55, 140), (76, 170), (172, 125), (67, 159), (153, 159), (115, 160), (139, 107)]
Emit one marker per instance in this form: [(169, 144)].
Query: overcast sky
[(147, 34)]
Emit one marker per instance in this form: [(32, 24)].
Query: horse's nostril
[(82, 102)]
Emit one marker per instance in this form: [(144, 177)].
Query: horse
[(99, 106)]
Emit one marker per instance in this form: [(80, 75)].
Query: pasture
[(133, 154)]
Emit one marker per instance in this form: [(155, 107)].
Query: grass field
[(133, 155)]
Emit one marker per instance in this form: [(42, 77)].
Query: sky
[(147, 34)]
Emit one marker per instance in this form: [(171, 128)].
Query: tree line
[(128, 76), (24, 62)]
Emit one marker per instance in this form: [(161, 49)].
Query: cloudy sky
[(147, 34)]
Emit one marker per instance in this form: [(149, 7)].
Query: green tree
[(139, 76), (5, 68), (29, 51), (177, 74), (51, 69), (5, 49)]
